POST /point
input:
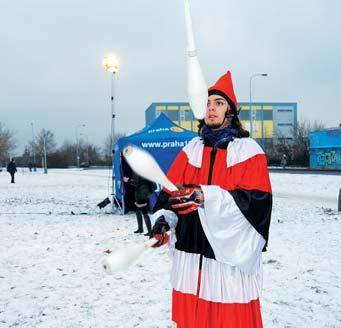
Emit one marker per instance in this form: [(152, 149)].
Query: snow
[(50, 259)]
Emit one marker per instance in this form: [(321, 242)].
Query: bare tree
[(296, 149), (7, 143), (69, 152), (47, 137), (300, 149), (44, 142), (25, 158), (108, 146), (278, 147), (91, 153), (65, 156)]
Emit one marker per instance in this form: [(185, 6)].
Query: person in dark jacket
[(11, 169), (142, 190)]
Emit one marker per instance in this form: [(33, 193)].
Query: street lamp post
[(87, 147), (252, 113), (45, 160), (77, 142), (33, 150), (110, 64)]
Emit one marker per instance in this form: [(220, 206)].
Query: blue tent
[(163, 139)]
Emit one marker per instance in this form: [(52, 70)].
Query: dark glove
[(132, 182), (159, 231), (187, 199)]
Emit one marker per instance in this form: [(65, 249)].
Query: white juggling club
[(126, 256), (196, 84), (144, 164)]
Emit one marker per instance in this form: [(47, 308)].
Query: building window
[(244, 115), (173, 115), (185, 108), (259, 115), (267, 115), (284, 124), (182, 115), (284, 110)]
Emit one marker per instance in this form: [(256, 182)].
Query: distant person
[(11, 169), (284, 161), (142, 190), (30, 166)]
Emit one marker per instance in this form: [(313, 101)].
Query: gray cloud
[(51, 54)]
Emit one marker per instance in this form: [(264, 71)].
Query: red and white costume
[(217, 268)]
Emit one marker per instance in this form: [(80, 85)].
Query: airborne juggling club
[(143, 164), (196, 84), (124, 257)]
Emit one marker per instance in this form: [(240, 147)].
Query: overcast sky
[(51, 53)]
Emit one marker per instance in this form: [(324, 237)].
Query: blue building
[(270, 120), (325, 149)]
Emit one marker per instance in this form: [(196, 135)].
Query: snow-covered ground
[(50, 259)]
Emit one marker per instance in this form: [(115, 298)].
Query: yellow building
[(269, 120)]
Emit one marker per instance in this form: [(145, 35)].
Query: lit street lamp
[(77, 142), (110, 63), (252, 113)]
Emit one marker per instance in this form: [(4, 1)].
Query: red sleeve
[(253, 173), (177, 169)]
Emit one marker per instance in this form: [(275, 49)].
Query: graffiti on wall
[(331, 157)]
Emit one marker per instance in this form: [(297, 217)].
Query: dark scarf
[(216, 138)]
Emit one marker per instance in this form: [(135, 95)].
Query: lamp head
[(111, 63)]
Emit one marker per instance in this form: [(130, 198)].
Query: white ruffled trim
[(170, 217), (232, 238), (185, 271), (224, 283), (240, 150), (220, 282), (172, 220), (194, 151)]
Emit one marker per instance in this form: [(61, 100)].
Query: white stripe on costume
[(220, 282), (240, 150), (185, 271), (233, 239), (194, 151), (224, 283)]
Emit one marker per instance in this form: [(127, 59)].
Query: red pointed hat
[(224, 87)]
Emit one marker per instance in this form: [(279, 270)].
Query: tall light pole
[(252, 113), (45, 160), (33, 150), (77, 142), (87, 146), (111, 64)]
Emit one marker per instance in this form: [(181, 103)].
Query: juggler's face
[(217, 107)]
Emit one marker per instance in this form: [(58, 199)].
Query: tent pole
[(123, 189), (115, 202)]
